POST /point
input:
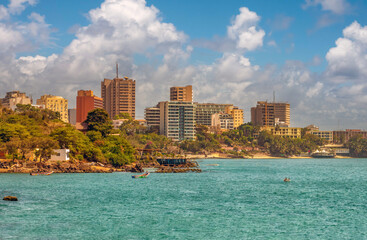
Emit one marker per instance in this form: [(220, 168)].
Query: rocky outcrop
[(10, 198)]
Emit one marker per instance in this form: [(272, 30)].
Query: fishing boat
[(41, 173), (145, 175)]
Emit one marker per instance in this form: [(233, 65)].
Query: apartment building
[(237, 115), (56, 104), (181, 94), (177, 120), (86, 102), (13, 98), (291, 132), (152, 116), (327, 135), (204, 112), (270, 113), (222, 121), (118, 96)]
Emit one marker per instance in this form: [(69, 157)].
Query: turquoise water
[(239, 199)]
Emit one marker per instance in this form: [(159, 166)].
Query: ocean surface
[(239, 199)]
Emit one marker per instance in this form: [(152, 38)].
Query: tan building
[(237, 115), (291, 132), (268, 114), (118, 96), (56, 104), (222, 121), (204, 112), (327, 135), (345, 136), (181, 94), (13, 98), (152, 117), (177, 120)]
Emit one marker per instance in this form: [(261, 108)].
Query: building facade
[(86, 102), (118, 96), (181, 94), (177, 120), (72, 116), (268, 114), (56, 104), (345, 136), (237, 115), (204, 112), (152, 116), (327, 135), (222, 121), (13, 98), (291, 132)]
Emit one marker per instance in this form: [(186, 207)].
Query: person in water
[(287, 179)]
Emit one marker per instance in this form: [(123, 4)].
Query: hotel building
[(222, 121), (152, 116), (237, 115)]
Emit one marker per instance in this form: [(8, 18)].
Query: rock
[(10, 198)]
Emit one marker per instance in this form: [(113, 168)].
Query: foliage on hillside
[(30, 129), (357, 146)]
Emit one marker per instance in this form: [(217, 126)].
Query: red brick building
[(86, 102)]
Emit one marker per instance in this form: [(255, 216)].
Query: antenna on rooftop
[(273, 96), (117, 70)]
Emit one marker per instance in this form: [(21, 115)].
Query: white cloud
[(244, 31), (335, 6), (18, 6), (347, 61)]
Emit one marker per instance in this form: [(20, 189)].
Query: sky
[(311, 53)]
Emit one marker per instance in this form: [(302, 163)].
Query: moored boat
[(42, 173), (145, 175)]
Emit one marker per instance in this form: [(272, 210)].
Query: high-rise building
[(152, 116), (204, 112), (56, 104), (13, 98), (237, 115), (177, 120), (86, 102), (270, 114), (118, 96), (181, 94)]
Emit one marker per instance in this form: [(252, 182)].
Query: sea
[(230, 199)]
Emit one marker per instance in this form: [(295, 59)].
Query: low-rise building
[(60, 155), (327, 135), (291, 132), (345, 136)]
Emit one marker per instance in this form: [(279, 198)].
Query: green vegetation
[(357, 146), (30, 132)]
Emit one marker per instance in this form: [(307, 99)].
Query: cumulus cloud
[(335, 6), (244, 30)]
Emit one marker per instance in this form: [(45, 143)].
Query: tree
[(98, 120)]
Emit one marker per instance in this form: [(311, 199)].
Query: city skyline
[(311, 53)]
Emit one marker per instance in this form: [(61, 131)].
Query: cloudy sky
[(312, 53)]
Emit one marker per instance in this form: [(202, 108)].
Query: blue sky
[(230, 51)]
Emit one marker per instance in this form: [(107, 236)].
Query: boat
[(145, 175), (287, 180), (323, 154), (42, 173), (215, 165)]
